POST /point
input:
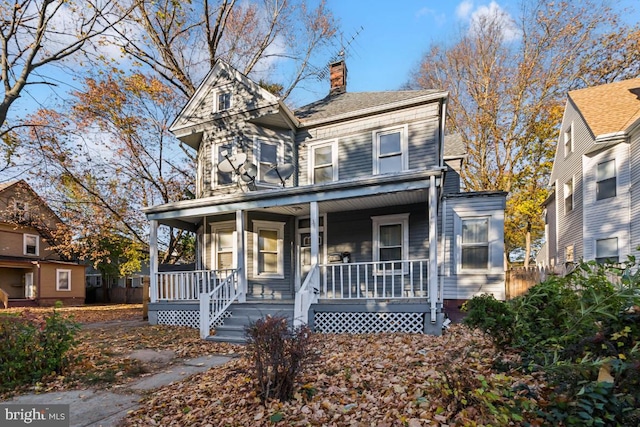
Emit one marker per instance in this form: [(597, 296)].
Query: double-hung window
[(390, 242), (222, 178), (31, 244), (568, 196), (606, 180), (568, 140), (323, 162), (267, 156), (63, 280), (475, 244), (607, 250), (223, 101), (268, 260), (390, 150), (224, 245)]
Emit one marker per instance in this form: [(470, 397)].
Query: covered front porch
[(324, 259)]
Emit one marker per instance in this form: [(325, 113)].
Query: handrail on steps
[(4, 297), (213, 304), (306, 295)]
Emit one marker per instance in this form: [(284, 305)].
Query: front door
[(303, 245)]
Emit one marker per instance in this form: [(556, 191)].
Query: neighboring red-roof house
[(594, 213), (31, 271)]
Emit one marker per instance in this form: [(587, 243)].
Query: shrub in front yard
[(278, 352), (33, 347)]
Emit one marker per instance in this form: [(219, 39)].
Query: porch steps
[(243, 314), (21, 302)]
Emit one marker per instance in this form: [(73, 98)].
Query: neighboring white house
[(594, 210), (349, 206)]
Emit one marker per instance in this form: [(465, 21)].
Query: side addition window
[(390, 150), (390, 241), (31, 244), (606, 180), (63, 280), (323, 162), (268, 260), (607, 250), (568, 196), (475, 244)]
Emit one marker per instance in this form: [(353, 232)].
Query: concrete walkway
[(94, 408)]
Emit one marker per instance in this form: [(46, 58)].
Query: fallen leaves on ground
[(90, 313), (364, 380)]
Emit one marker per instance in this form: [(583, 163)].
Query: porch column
[(153, 260), (433, 247), (315, 232), (242, 267)]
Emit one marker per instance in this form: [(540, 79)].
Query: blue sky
[(395, 34)]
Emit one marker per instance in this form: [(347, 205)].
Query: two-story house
[(594, 210), (346, 211), (31, 272)]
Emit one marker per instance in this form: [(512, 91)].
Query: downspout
[(153, 260), (443, 115)]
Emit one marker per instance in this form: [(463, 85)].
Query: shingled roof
[(609, 108), (352, 102)]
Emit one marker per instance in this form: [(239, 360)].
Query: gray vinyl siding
[(608, 217), (634, 193), (552, 249), (570, 225), (458, 284), (355, 141), (353, 231)]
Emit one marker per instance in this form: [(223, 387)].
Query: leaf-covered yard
[(365, 380)]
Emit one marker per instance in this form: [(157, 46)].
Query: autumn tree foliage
[(108, 156), (507, 79)]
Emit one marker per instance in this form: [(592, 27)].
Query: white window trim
[(404, 146), (460, 245), (221, 91), (573, 253), (279, 156), (273, 226), (215, 229), (377, 221), (622, 242), (215, 161), (615, 177), (334, 159), (573, 198), (58, 272), (24, 244)]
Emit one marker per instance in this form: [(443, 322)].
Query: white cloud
[(438, 18), (464, 9)]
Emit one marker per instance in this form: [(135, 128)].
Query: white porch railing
[(188, 285), (213, 304), (306, 295), (375, 280)]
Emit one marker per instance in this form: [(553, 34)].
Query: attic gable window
[(21, 210), (31, 244), (606, 180), (568, 140), (223, 101), (390, 150)]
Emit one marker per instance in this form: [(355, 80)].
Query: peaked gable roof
[(609, 109)]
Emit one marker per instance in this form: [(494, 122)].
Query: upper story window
[(390, 150), (220, 150), (607, 250), (390, 241), (267, 156), (21, 210), (475, 244), (568, 140), (31, 244), (268, 259), (323, 165), (223, 101), (606, 180), (568, 196)]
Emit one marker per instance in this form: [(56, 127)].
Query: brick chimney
[(338, 77)]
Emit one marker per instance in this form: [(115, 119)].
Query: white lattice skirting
[(368, 323), (190, 318)]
